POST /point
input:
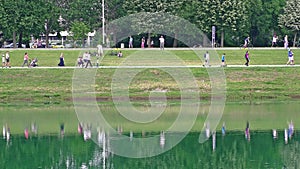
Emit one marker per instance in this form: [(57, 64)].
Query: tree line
[(234, 19)]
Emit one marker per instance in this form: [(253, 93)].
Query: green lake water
[(232, 151), (48, 149)]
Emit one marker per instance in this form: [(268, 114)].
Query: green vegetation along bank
[(246, 84)]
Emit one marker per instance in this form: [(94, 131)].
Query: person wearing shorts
[(290, 57), (7, 59), (26, 58)]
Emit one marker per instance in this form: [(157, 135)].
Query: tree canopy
[(234, 19)]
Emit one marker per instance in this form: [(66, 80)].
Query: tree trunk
[(47, 39), (295, 38), (47, 34), (175, 40), (222, 38), (115, 39), (82, 42), (14, 39), (149, 40), (20, 39)]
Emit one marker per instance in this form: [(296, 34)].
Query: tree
[(225, 14), (291, 18), (155, 8), (79, 30)]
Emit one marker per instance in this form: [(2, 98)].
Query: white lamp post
[(103, 22)]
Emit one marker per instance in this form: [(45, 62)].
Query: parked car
[(57, 45), (11, 45)]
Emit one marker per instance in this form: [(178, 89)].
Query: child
[(223, 60), (291, 57), (120, 54), (80, 62)]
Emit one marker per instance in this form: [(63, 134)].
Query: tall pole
[(103, 22)]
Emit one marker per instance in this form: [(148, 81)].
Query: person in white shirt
[(162, 42), (88, 59), (274, 40), (286, 42), (3, 61)]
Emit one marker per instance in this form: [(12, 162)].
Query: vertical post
[(213, 36), (103, 22)]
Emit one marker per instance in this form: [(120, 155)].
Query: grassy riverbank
[(41, 86)]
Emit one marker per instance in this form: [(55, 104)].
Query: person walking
[(286, 42), (3, 61), (162, 43), (88, 59), (143, 42), (206, 59), (290, 57), (26, 60), (247, 57), (7, 58), (274, 40), (223, 60), (130, 42)]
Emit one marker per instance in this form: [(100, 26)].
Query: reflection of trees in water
[(232, 151), (291, 155)]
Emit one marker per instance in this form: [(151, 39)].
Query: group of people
[(143, 42), (274, 41), (85, 60), (27, 61), (5, 60)]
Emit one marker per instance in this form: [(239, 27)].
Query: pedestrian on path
[(143, 42), (162, 43), (206, 59), (290, 57), (130, 45), (247, 57), (223, 60), (26, 58), (3, 61), (286, 42), (7, 58), (88, 59)]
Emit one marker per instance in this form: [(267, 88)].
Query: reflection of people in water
[(7, 133), (285, 136), (291, 129), (26, 133), (162, 139), (79, 129), (33, 128), (207, 130), (4, 131), (87, 133), (274, 134), (223, 129), (62, 129), (247, 131)]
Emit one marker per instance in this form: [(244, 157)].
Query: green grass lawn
[(233, 57), (242, 84)]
